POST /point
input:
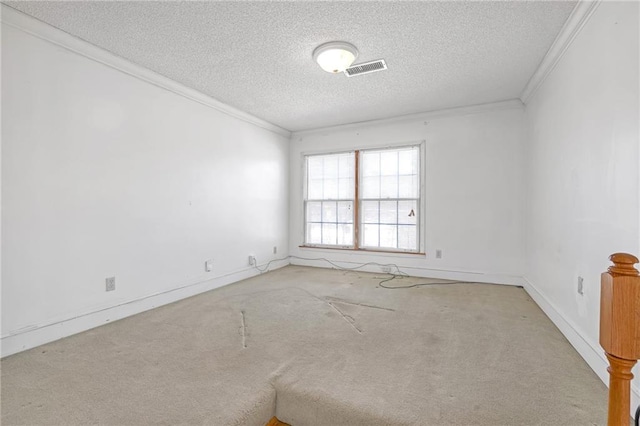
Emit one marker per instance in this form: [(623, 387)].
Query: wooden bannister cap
[(623, 264)]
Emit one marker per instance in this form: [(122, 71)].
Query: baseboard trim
[(40, 334), (444, 274), (58, 37), (591, 352)]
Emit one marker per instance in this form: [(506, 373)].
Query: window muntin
[(388, 188)]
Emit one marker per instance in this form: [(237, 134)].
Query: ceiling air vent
[(366, 68)]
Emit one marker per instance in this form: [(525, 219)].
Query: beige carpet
[(313, 347)]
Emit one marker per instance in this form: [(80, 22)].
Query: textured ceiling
[(256, 56)]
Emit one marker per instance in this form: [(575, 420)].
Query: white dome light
[(336, 56)]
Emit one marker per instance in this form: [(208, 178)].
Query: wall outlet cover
[(110, 284), (580, 285)]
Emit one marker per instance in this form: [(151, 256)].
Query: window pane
[(370, 235), (329, 233), (314, 167), (330, 189), (324, 173), (314, 233), (329, 211), (330, 166), (345, 166), (345, 235), (388, 236), (389, 163), (407, 237), (371, 163), (346, 188), (408, 187), (314, 212), (345, 212), (370, 212), (408, 212), (370, 187), (314, 191), (389, 187), (389, 212), (408, 162)]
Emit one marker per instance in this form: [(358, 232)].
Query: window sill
[(363, 251)]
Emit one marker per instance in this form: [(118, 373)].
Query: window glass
[(329, 213), (389, 197)]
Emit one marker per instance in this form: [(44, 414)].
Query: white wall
[(582, 172), (473, 191), (104, 174)]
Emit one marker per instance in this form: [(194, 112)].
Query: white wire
[(398, 271), (398, 274)]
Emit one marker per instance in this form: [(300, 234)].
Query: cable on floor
[(381, 283), (396, 273)]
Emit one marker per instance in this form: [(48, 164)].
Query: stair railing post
[(620, 331)]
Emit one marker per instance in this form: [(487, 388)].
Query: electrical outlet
[(252, 260), (275, 249), (438, 254), (110, 284), (208, 265), (386, 269), (580, 286)]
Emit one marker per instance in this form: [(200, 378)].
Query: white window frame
[(418, 200), (357, 223), (305, 200)]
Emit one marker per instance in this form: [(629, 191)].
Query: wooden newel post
[(620, 331)]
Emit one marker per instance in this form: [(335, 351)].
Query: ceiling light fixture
[(335, 56)]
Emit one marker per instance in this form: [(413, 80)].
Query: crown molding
[(58, 37), (448, 112), (574, 23)]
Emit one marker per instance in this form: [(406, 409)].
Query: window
[(329, 200), (367, 199)]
